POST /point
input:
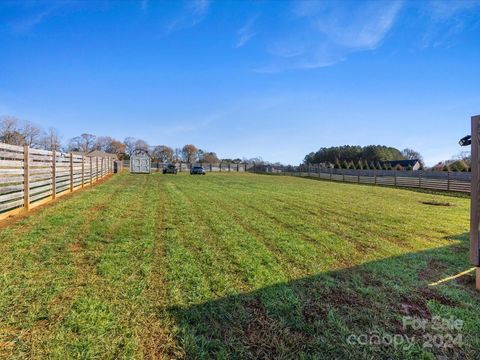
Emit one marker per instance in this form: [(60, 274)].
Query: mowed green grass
[(233, 266)]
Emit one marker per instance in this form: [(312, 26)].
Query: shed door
[(141, 165)]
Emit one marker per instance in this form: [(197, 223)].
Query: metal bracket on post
[(475, 199)]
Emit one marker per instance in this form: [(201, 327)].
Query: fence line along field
[(32, 177), (234, 265), (433, 180)]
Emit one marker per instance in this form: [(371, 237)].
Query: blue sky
[(272, 79)]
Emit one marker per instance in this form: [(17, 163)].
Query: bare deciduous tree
[(84, 143), (177, 155), (129, 145), (10, 132), (141, 145), (103, 142), (51, 140), (162, 153), (32, 134), (116, 147), (209, 157), (189, 153)]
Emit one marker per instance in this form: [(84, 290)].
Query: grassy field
[(234, 266)]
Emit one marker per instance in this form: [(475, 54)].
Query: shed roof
[(140, 152)]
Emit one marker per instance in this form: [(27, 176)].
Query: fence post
[(419, 178), (229, 166), (71, 172), (475, 199), (375, 176), (448, 181), (395, 178), (91, 171), (54, 174), (26, 178), (96, 170), (83, 171)]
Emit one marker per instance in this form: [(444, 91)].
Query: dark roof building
[(406, 164)]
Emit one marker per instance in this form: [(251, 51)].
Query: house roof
[(403, 163)]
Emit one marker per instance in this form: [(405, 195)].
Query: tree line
[(21, 133), (360, 157)]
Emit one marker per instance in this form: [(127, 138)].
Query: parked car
[(197, 170), (170, 169)]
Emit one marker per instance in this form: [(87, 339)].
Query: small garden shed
[(140, 162)]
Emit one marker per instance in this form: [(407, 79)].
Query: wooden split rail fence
[(32, 177)]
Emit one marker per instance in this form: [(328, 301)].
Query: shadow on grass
[(313, 317)]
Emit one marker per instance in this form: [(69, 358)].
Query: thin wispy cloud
[(28, 22), (442, 9), (193, 13), (325, 33), (35, 13), (447, 19), (246, 32)]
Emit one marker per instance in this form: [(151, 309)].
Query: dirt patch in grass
[(417, 303), (467, 280), (265, 337), (343, 298), (436, 203), (433, 271)]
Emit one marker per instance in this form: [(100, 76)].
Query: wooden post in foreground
[(475, 199), (71, 172), (54, 174), (26, 178)]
